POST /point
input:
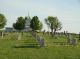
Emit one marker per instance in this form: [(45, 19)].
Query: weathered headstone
[(41, 41), (69, 38), (19, 37), (74, 41)]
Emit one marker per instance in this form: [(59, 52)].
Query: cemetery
[(50, 31), (25, 40), (33, 46)]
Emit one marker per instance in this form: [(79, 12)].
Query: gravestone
[(69, 38), (19, 37), (74, 41), (41, 41)]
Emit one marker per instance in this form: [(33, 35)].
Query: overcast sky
[(67, 11)]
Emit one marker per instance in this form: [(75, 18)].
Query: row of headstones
[(57, 33), (39, 39), (60, 34), (70, 39)]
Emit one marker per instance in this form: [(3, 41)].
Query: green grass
[(28, 48)]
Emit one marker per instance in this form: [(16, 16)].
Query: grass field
[(28, 48)]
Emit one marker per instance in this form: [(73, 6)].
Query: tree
[(20, 25), (54, 24), (2, 22), (35, 24)]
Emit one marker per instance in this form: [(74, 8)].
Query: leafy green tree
[(2, 22), (20, 24), (35, 24), (54, 24)]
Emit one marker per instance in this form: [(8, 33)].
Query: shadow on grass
[(27, 46), (60, 43)]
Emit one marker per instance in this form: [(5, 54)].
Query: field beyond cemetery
[(28, 47)]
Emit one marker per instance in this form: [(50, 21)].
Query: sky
[(67, 11)]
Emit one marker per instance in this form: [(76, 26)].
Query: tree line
[(35, 24)]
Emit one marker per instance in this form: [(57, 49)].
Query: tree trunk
[(54, 31)]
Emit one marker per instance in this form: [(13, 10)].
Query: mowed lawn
[(28, 48)]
